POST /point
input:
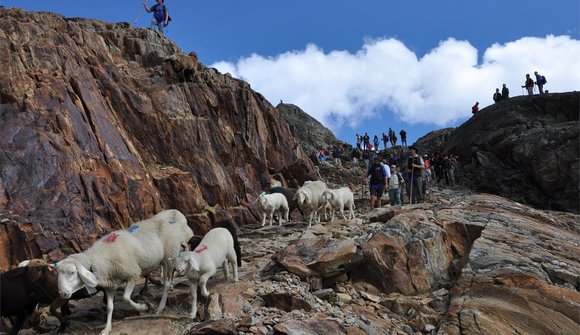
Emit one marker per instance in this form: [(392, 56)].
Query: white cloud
[(439, 88)]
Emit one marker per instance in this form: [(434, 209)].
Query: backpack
[(159, 11), (377, 174), (543, 81)]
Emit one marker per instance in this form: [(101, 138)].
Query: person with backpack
[(497, 96), (505, 92), (385, 140), (475, 108), (160, 15), (396, 184), (366, 141), (540, 81), (415, 166), (376, 142), (403, 134), (378, 181), (529, 85)]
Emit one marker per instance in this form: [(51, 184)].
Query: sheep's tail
[(231, 227)]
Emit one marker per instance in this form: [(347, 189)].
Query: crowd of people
[(364, 142), (529, 85)]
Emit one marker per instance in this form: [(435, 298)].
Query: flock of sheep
[(122, 257)]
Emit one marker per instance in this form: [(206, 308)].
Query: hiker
[(475, 108), (415, 165), (160, 15), (505, 92), (403, 134), (497, 96), (540, 81), (396, 184), (529, 85), (366, 141), (449, 166), (385, 140), (378, 181), (358, 140), (356, 156), (323, 155), (376, 142)]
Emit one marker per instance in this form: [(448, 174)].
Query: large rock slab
[(109, 125), (315, 326)]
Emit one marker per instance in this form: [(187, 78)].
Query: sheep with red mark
[(217, 248)]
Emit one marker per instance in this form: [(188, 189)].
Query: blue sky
[(228, 33)]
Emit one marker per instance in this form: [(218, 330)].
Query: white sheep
[(308, 198), (124, 256), (338, 199), (215, 249), (274, 203)]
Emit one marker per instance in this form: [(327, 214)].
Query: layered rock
[(103, 125), (434, 140), (311, 134), (526, 149)]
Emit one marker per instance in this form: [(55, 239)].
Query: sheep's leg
[(233, 259), (226, 269), (264, 220), (351, 211), (203, 281), (110, 294), (287, 214), (62, 304), (342, 210), (310, 218), (20, 319), (193, 288), (166, 284), (271, 217), (279, 217), (127, 297)]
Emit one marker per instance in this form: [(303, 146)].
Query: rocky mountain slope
[(526, 149), (464, 263), (311, 134), (102, 125)]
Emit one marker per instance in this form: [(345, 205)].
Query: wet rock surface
[(103, 125)]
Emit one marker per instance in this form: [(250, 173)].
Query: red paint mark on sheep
[(201, 249), (112, 238)]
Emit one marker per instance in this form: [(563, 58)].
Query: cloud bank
[(439, 88)]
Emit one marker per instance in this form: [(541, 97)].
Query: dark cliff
[(102, 125), (524, 148), (311, 134)]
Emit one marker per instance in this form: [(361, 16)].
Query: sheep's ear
[(23, 263), (306, 198), (193, 263), (88, 278)]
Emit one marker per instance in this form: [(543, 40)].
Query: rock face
[(526, 149), (103, 125), (434, 140), (311, 134)]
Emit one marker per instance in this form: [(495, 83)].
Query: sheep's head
[(185, 262), (262, 198), (302, 198), (73, 276)]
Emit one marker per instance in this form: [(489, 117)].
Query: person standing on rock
[(497, 96), (415, 165), (396, 184), (160, 15), (505, 92), (376, 142), (529, 85), (358, 140), (403, 134), (366, 141), (378, 181), (385, 140), (540, 81), (475, 108)]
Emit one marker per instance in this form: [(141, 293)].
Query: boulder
[(286, 302), (319, 257), (315, 326), (217, 327), (525, 149)]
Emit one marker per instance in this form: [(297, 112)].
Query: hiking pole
[(412, 182)]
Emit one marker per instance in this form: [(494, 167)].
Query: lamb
[(21, 289), (289, 194), (218, 247), (273, 203), (338, 199), (308, 198), (122, 257)]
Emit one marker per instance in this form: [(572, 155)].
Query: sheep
[(273, 203), (308, 198), (289, 194), (218, 247), (122, 257), (338, 199), (21, 289)]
